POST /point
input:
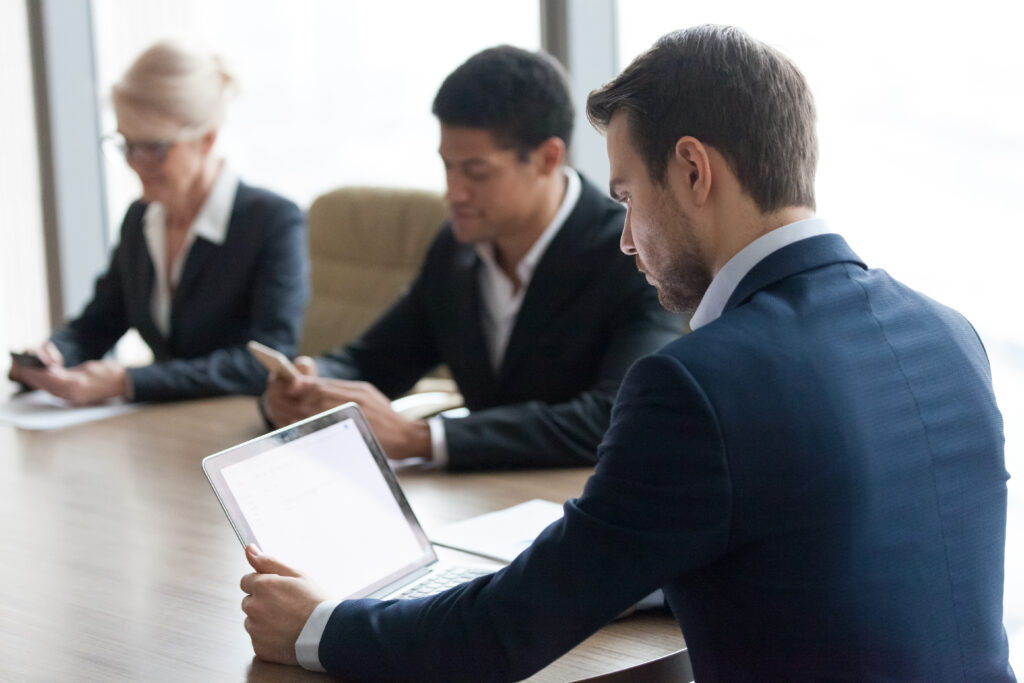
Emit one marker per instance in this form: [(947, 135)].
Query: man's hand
[(90, 382), (277, 604), (286, 401), (400, 437), (289, 400)]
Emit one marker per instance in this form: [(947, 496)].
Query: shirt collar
[(527, 264), (211, 223), (736, 268)]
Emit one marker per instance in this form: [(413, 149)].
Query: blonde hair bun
[(170, 85)]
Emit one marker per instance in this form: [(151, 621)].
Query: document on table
[(40, 410), (500, 535)]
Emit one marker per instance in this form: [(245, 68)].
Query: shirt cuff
[(655, 600), (307, 645), (438, 444)]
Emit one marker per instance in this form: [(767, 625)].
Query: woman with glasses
[(205, 262)]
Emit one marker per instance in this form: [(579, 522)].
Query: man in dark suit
[(523, 295), (814, 475)]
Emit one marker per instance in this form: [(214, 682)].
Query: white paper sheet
[(40, 410), (500, 535)]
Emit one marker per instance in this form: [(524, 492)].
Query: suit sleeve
[(658, 506), (566, 434), (398, 349), (104, 320), (277, 303)]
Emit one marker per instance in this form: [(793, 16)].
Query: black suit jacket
[(816, 479), (253, 286), (586, 316)]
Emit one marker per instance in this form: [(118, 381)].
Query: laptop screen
[(317, 497)]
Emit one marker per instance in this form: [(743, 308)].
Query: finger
[(248, 583), (298, 387), (306, 365), (341, 390), (52, 379), (265, 564), (252, 551), (51, 355)]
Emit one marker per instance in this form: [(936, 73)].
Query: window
[(24, 321), (333, 93)]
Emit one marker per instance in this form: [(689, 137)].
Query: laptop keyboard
[(441, 580)]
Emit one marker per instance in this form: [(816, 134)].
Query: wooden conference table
[(117, 563)]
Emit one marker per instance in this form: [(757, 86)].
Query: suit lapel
[(140, 298), (463, 316), (800, 256), (559, 274), (200, 252)]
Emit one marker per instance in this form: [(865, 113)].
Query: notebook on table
[(320, 496)]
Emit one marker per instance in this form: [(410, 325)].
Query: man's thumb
[(306, 365), (266, 564)]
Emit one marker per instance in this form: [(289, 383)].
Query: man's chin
[(677, 301), (466, 232)]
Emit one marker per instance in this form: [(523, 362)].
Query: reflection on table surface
[(118, 563)]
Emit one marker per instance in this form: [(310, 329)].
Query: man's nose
[(626, 241), (458, 192)]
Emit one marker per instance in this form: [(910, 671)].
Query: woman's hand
[(47, 352), (90, 382)]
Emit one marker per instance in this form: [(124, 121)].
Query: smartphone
[(273, 360), (27, 359)]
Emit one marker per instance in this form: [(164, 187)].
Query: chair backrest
[(672, 668), (365, 245)]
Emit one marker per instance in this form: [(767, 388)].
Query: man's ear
[(550, 155), (694, 168)]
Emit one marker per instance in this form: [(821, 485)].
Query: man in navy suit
[(814, 475)]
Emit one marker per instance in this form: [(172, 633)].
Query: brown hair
[(731, 92)]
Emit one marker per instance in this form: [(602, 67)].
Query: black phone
[(27, 359)]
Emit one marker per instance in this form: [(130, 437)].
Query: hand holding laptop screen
[(319, 503), (316, 500), (320, 500)]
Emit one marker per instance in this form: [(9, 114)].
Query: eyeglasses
[(139, 152)]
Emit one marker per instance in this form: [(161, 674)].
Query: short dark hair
[(522, 97), (731, 92)]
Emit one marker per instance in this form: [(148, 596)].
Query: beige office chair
[(366, 244), (672, 668)]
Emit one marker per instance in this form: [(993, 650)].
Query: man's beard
[(682, 289), (687, 278)]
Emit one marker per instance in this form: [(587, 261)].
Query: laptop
[(320, 496)]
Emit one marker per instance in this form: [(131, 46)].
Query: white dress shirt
[(497, 318), (501, 303), (211, 223), (736, 268)]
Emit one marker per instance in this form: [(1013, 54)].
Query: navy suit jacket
[(816, 479), (253, 286), (586, 316)]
